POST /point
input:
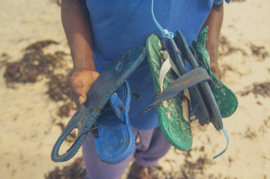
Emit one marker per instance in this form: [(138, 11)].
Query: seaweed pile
[(74, 171), (226, 47), (262, 89), (59, 90), (35, 65)]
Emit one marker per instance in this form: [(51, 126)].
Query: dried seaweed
[(74, 171), (262, 89), (59, 88), (227, 48), (35, 64), (250, 134), (71, 137), (3, 60), (191, 169), (40, 44), (259, 51)]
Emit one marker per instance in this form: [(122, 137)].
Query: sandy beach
[(30, 123)]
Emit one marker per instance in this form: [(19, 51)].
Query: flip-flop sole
[(170, 113), (115, 141)]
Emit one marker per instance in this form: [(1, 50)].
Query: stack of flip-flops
[(187, 92), (105, 113), (191, 90)]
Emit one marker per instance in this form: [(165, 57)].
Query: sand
[(28, 116)]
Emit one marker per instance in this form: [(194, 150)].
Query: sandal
[(97, 97), (115, 140)]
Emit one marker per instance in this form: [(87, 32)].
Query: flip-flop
[(197, 102), (115, 138), (207, 94), (173, 114), (226, 99), (97, 97)]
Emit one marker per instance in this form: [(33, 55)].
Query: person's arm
[(214, 22), (77, 26)]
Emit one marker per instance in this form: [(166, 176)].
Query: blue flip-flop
[(205, 89), (97, 97), (215, 116), (115, 138)]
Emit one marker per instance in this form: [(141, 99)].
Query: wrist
[(82, 58), (83, 64), (81, 68)]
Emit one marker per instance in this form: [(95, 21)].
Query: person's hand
[(80, 83), (215, 69)]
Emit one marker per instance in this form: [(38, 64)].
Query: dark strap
[(134, 94), (118, 107), (186, 81)]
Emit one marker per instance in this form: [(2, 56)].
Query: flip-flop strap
[(185, 81), (227, 137), (166, 66), (118, 107)]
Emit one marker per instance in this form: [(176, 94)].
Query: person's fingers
[(216, 71), (80, 83), (77, 102), (81, 100), (77, 89), (92, 78)]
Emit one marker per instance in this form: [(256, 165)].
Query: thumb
[(81, 100)]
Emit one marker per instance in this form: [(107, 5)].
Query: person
[(99, 32)]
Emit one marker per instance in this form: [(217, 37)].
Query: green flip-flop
[(170, 113), (226, 99)]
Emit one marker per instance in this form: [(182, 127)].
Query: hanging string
[(227, 137), (165, 33)]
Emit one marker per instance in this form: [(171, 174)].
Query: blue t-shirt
[(119, 25)]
